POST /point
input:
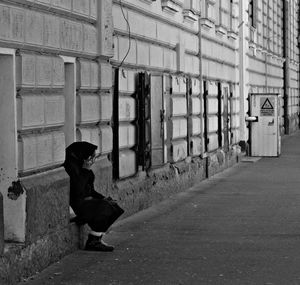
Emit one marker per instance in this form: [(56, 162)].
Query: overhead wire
[(129, 34)]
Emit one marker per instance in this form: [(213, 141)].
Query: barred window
[(252, 13)]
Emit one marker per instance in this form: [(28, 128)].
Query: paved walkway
[(240, 227)]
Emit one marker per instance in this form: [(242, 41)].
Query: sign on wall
[(267, 106)]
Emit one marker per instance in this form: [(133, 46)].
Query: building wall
[(39, 33), (273, 55), (52, 94), (160, 90), (294, 83), (219, 44), (161, 37), (67, 53)]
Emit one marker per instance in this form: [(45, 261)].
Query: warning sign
[(267, 106)]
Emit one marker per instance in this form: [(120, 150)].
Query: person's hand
[(88, 198)]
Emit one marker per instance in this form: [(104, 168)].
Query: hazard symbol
[(267, 106)]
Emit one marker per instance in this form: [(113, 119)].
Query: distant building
[(162, 87)]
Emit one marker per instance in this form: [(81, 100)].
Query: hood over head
[(76, 153)]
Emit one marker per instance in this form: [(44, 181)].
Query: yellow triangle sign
[(267, 105)]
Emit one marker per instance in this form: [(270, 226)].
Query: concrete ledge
[(21, 261), (47, 203)]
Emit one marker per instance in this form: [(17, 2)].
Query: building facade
[(161, 87)]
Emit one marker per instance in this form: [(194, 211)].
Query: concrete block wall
[(87, 75), (127, 128), (178, 119), (196, 118), (37, 71), (271, 66), (44, 37), (157, 36), (88, 108), (105, 111), (105, 28), (69, 28), (220, 41), (266, 53), (174, 42), (220, 63), (63, 30), (51, 189), (235, 114), (94, 104), (160, 41), (40, 111), (212, 115)]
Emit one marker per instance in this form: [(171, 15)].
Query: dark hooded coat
[(89, 206)]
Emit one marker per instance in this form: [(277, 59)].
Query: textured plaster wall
[(49, 234), (21, 261), (47, 204), (40, 110), (37, 28), (168, 37)]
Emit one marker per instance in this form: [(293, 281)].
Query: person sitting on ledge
[(90, 207)]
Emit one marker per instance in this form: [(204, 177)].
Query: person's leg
[(101, 215), (94, 241)]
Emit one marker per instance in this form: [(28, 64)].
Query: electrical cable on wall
[(129, 35)]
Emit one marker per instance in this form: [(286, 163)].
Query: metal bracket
[(251, 119)]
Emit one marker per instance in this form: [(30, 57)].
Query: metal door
[(115, 127), (144, 120), (205, 116), (264, 125), (157, 121), (226, 118)]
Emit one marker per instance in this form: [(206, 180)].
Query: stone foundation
[(21, 261), (293, 123)]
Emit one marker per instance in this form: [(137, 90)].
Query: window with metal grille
[(252, 12), (138, 133)]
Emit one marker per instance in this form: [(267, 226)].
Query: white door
[(264, 131), (157, 121)]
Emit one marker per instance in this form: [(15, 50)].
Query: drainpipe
[(203, 154), (286, 72), (267, 53), (1, 226), (200, 77), (242, 58)]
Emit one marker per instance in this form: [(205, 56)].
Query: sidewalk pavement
[(240, 227)]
